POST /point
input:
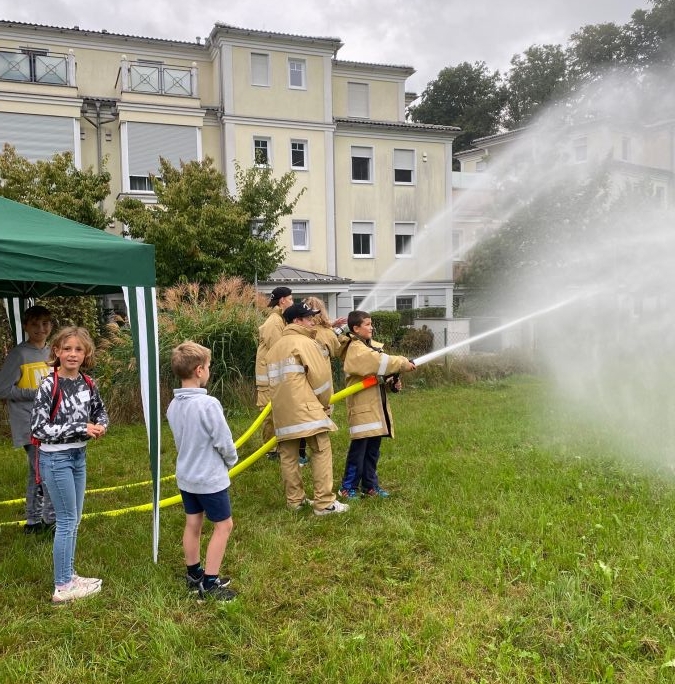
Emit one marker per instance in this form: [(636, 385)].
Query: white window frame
[(358, 100), (302, 72), (364, 228), (257, 69), (401, 165), (357, 300), (405, 228), (413, 301), (297, 141), (457, 243), (300, 247), (371, 172), (268, 147)]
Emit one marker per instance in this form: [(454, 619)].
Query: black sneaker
[(219, 590), (195, 584), (33, 528)]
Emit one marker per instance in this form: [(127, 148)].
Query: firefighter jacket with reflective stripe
[(368, 412), (268, 333), (300, 385)]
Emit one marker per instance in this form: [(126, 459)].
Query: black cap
[(279, 292), (298, 311)]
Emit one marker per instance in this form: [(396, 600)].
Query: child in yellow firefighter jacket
[(368, 411)]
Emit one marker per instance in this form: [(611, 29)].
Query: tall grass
[(516, 547)]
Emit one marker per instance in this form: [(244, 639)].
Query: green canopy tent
[(44, 255)]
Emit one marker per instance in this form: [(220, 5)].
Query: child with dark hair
[(368, 411), (20, 376)]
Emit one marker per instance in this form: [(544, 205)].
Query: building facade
[(374, 183)]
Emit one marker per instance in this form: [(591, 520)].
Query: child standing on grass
[(206, 451), (21, 375), (368, 412), (67, 412)]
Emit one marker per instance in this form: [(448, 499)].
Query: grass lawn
[(516, 547)]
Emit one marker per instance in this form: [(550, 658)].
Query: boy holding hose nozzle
[(368, 412)]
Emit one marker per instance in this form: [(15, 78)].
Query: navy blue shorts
[(216, 506)]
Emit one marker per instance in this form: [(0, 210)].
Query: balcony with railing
[(158, 79), (37, 66)]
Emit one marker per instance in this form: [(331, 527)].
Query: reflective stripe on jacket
[(368, 411), (300, 385), (268, 333)]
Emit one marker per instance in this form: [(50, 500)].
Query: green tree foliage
[(536, 77), (468, 96), (201, 232), (546, 231), (56, 185)]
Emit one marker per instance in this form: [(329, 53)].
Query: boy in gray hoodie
[(20, 376), (206, 451)]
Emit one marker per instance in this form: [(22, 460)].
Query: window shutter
[(259, 69), (147, 142), (404, 159), (37, 137), (357, 100)]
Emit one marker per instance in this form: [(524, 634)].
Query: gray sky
[(435, 34)]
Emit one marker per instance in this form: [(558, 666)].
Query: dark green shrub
[(386, 324), (408, 316), (415, 342)]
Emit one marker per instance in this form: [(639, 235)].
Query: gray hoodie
[(21, 375), (203, 439)]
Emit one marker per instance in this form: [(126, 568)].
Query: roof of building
[(395, 124), (289, 274), (408, 70), (103, 32), (334, 42)]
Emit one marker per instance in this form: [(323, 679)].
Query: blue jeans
[(361, 464), (65, 474)]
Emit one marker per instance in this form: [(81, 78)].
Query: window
[(362, 160), (298, 155), (456, 243), (580, 146), (260, 69), (296, 74), (262, 152), (257, 229), (358, 100), (300, 235), (405, 303), (362, 239), (357, 301), (140, 184), (37, 137), (404, 166), (146, 142), (403, 236), (625, 149)]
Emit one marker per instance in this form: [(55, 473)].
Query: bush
[(408, 316), (416, 342), (223, 317), (387, 325), (466, 370)]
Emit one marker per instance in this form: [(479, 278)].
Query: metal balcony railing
[(159, 79), (37, 67)]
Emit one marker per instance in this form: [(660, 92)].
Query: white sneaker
[(335, 507), (84, 581), (74, 591)]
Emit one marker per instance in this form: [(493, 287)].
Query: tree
[(201, 232), (468, 96), (595, 48), (536, 77), (56, 185)]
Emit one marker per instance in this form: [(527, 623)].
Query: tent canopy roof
[(43, 254)]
